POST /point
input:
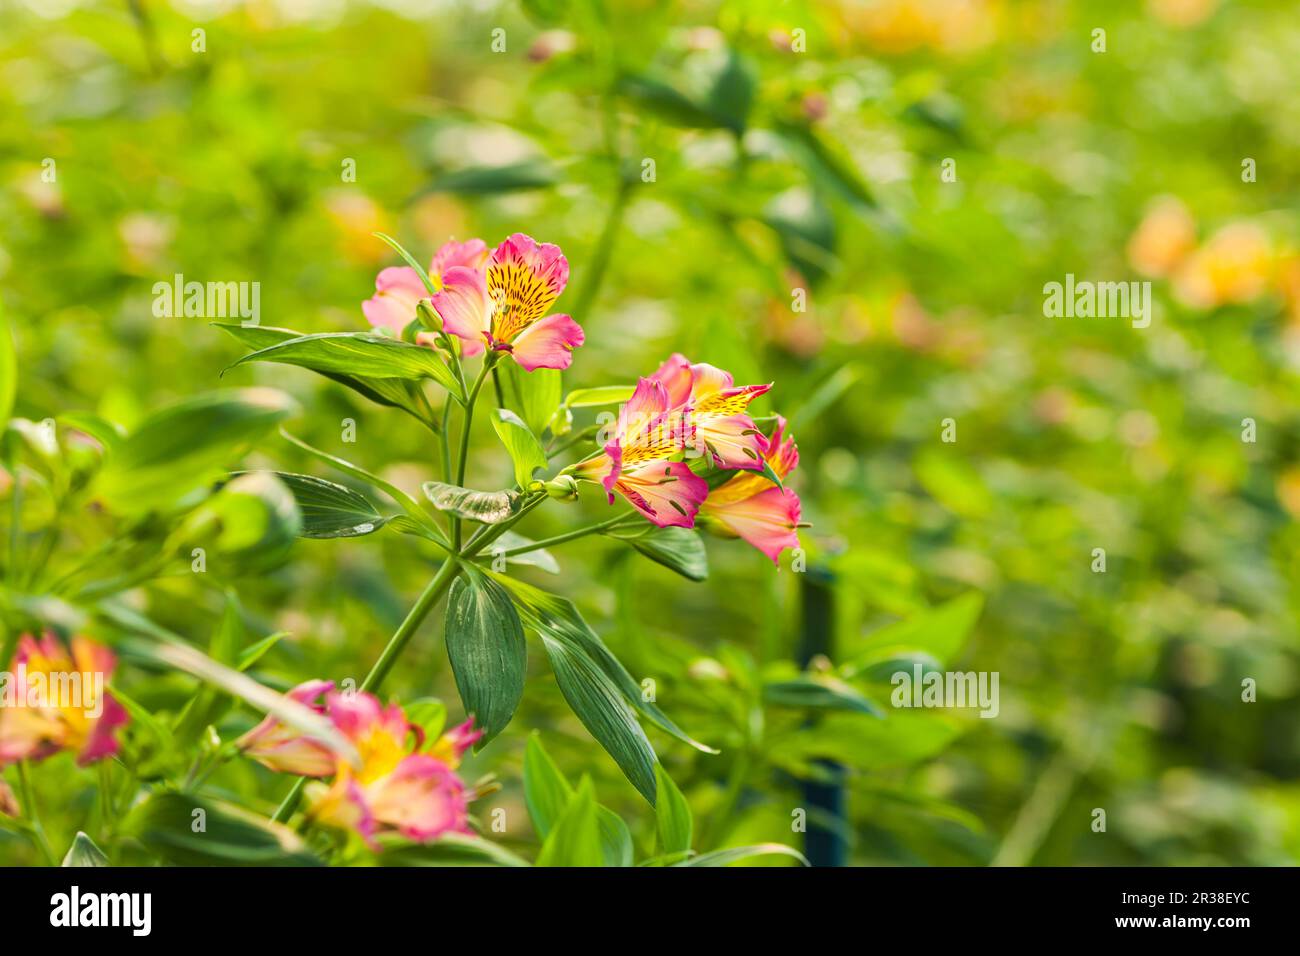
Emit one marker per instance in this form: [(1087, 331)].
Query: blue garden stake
[(823, 801)]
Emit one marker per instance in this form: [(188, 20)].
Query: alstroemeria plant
[(680, 446)]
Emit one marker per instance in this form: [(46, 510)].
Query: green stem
[(569, 536), (414, 618), (463, 458), (33, 818)]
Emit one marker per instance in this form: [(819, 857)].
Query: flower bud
[(431, 319), (563, 488)]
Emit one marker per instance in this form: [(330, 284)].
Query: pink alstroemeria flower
[(416, 794), (399, 289), (279, 748), (715, 407), (751, 507), (66, 709), (503, 307), (642, 461)]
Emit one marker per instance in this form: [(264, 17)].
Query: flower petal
[(676, 378), (667, 493), (523, 279), (548, 343), (463, 304), (398, 290), (732, 442), (766, 520), (469, 255), (422, 799)]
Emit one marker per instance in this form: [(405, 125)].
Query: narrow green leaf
[(450, 849), (525, 450), (493, 180), (538, 558), (258, 649), (392, 392), (546, 792), (358, 354), (678, 549), (818, 692), (575, 838), (189, 830), (603, 711), (83, 852), (433, 284), (538, 392), (553, 616), (331, 510), (615, 838), (600, 395), (737, 853), (672, 815), (485, 643)]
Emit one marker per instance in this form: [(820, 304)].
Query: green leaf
[(525, 450), (189, 830), (817, 692), (538, 392), (492, 180), (359, 354), (450, 849), (432, 284), (546, 792), (575, 838), (430, 715), (827, 166), (538, 558), (668, 103), (207, 706), (679, 549), (938, 632), (607, 716), (553, 616), (331, 510), (485, 507), (737, 853), (83, 852), (598, 396), (615, 838), (258, 649), (408, 504), (672, 815), (485, 643), (181, 449), (732, 94), (179, 655), (392, 392)]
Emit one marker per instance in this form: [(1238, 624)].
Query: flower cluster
[(497, 301), (53, 700), (402, 782), (682, 414), (696, 411)]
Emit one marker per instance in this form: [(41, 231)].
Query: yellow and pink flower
[(751, 507), (503, 306), (55, 700), (682, 410), (402, 783)]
